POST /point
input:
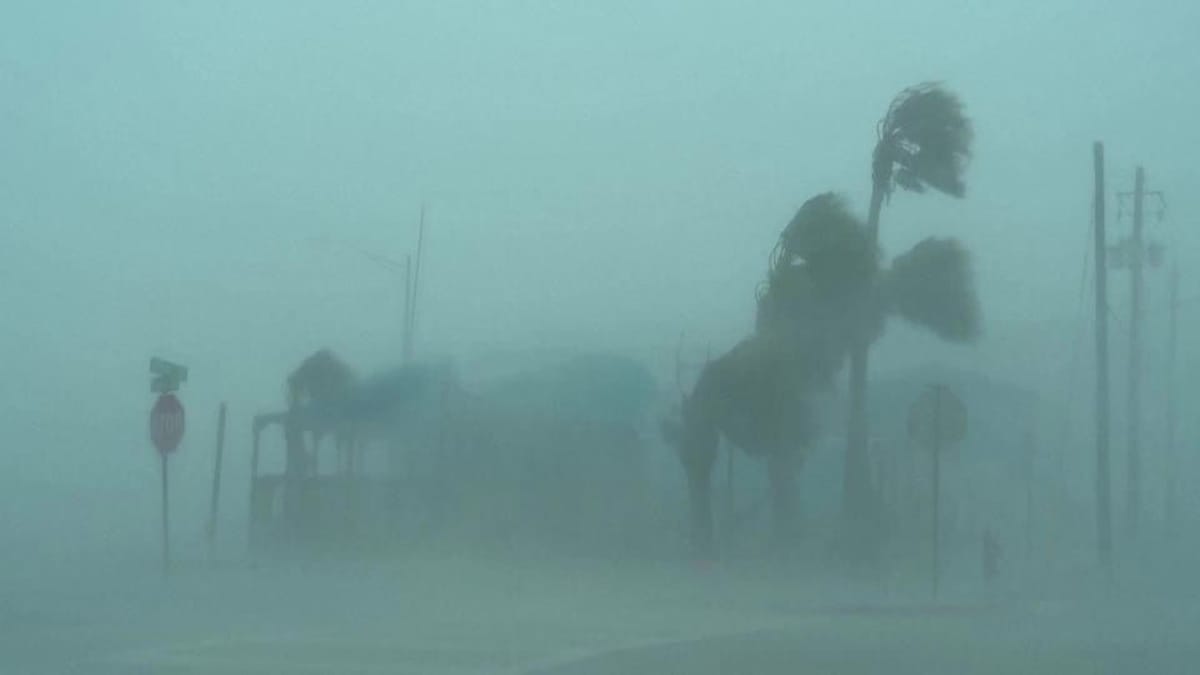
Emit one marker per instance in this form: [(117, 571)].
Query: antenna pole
[(416, 279), (1103, 480)]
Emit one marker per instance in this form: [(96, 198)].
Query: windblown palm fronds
[(932, 286), (825, 235), (924, 142), (820, 291)]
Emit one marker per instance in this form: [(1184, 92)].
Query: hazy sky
[(194, 179)]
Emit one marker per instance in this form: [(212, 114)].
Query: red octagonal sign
[(166, 423)]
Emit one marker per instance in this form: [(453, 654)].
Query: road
[(462, 616)]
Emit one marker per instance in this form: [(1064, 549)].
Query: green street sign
[(168, 375)]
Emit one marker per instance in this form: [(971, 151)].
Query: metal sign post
[(216, 484), (166, 431), (166, 530)]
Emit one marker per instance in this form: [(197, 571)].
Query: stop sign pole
[(166, 431)]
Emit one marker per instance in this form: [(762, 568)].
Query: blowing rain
[(614, 338)]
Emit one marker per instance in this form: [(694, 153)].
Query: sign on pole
[(935, 419), (167, 423), (167, 376)]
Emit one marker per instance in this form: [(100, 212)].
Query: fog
[(596, 191)]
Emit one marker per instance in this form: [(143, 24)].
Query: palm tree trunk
[(856, 490)]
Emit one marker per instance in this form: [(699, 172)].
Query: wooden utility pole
[(1103, 482), (1134, 252), (1133, 471), (1172, 333)]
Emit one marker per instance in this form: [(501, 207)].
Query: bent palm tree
[(826, 283), (757, 396), (924, 141), (825, 294)]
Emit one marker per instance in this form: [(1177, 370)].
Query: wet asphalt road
[(452, 616)]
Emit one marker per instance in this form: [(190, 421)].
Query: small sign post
[(936, 418), (216, 484), (166, 431)]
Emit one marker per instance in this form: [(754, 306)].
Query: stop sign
[(166, 423)]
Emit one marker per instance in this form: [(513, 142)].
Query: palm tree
[(821, 288), (924, 141), (825, 292)]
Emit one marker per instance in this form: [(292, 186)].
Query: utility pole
[(1133, 475), (1172, 333), (1136, 255), (1103, 483), (412, 274), (406, 268)]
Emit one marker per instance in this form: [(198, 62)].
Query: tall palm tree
[(924, 141), (825, 292)]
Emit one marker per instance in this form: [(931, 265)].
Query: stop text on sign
[(166, 423)]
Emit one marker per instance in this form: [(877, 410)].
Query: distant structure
[(548, 454)]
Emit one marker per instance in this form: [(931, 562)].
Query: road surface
[(438, 616)]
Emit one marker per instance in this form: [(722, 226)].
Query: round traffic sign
[(937, 416), (166, 423)]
